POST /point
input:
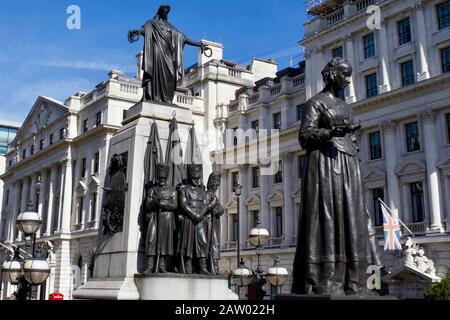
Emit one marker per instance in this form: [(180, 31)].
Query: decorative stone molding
[(427, 116), (411, 171), (374, 178), (253, 202), (276, 199), (389, 126), (444, 166)]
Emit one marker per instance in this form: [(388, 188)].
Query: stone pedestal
[(183, 287), (119, 257)]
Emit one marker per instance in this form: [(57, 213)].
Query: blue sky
[(40, 56)]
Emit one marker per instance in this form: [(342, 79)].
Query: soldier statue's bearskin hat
[(162, 170), (194, 170)]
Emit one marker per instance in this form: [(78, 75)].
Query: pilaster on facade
[(424, 72), (384, 58), (390, 147), (429, 126)]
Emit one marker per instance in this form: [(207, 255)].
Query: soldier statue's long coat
[(193, 240)]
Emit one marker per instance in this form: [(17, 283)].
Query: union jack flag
[(392, 231)]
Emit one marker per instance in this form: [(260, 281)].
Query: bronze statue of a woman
[(333, 248)]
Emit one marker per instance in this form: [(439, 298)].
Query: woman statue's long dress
[(333, 241)]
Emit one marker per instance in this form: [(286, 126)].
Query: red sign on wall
[(56, 296)]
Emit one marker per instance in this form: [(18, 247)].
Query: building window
[(41, 144), (80, 210), (300, 165), (7, 135), (412, 137), (98, 119), (85, 125), (371, 85), (7, 197), (9, 163), (278, 177), (83, 167), (255, 125), (300, 111), (278, 222), (378, 194), (51, 139), (404, 31), (276, 117), (445, 57), (255, 177), (94, 206), (337, 52), (255, 218), (407, 73), (443, 11), (24, 153), (62, 133), (124, 114), (448, 127), (96, 162), (234, 228), (369, 46), (375, 145), (417, 202), (234, 180), (235, 138)]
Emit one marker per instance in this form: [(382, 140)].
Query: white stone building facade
[(399, 93)]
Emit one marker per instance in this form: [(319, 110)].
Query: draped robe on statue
[(163, 60)]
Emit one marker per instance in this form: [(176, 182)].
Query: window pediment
[(275, 196), (410, 167), (374, 174)]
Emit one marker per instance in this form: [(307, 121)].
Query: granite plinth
[(172, 286)]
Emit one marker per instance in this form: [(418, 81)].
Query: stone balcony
[(342, 13), (266, 94)]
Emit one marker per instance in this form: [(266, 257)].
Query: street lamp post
[(277, 276), (34, 270)]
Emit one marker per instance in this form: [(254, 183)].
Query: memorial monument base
[(108, 289), (173, 286)]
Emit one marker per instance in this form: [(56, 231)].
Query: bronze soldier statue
[(163, 56), (214, 221), (193, 242), (161, 203)]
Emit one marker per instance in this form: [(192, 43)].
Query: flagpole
[(390, 212)]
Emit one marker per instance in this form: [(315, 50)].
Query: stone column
[(288, 210), (317, 69), (308, 74), (51, 200), (350, 55), (42, 194), (390, 149), (66, 195), (423, 73), (431, 152), (25, 195), (383, 50), (13, 214), (63, 272), (266, 186), (25, 199), (243, 214), (33, 191)]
